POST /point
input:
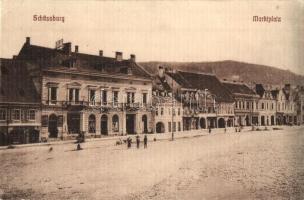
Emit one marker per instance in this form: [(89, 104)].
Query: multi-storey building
[(94, 94), (245, 108), (168, 112), (206, 102), (285, 105), (266, 106), (299, 103), (19, 104)]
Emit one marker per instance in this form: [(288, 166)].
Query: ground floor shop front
[(19, 134), (207, 121), (93, 123)]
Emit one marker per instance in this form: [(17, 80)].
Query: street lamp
[(206, 99), (172, 132)]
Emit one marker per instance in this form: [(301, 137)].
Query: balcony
[(78, 105), (197, 111)]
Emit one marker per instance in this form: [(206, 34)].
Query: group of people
[(129, 142)]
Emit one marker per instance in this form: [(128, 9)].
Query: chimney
[(118, 56), (100, 52), (133, 57), (76, 48), (28, 40), (161, 71), (67, 47)]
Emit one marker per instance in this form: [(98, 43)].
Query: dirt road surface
[(238, 166)]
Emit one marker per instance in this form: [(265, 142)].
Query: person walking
[(137, 141), (129, 142), (145, 141)]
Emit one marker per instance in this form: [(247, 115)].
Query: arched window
[(115, 123), (92, 124)]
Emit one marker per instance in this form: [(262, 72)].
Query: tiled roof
[(238, 88), (57, 58), (16, 84), (202, 81)]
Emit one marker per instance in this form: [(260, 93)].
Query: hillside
[(233, 70)]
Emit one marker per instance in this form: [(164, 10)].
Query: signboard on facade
[(44, 120), (59, 44)]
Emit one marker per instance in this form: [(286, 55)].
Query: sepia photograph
[(152, 100)]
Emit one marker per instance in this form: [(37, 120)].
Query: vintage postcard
[(135, 100)]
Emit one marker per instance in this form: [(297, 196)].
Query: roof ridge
[(77, 53), (202, 73)]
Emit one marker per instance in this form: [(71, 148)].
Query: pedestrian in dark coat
[(209, 129), (129, 142), (145, 141), (137, 141)]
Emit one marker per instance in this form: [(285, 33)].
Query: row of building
[(52, 94)]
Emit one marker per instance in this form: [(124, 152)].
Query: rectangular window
[(161, 111), (247, 105), (178, 111), (2, 114), (174, 126), (115, 96), (31, 115), (53, 95), (173, 111), (71, 94), (104, 97), (156, 111), (169, 126), (92, 97), (144, 98), (16, 114), (130, 97), (76, 95), (179, 126), (262, 106), (24, 114)]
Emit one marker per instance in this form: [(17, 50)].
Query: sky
[(181, 31)]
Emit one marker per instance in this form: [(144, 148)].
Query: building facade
[(93, 94), (266, 106), (286, 113), (206, 102), (19, 105), (246, 101), (168, 111)]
